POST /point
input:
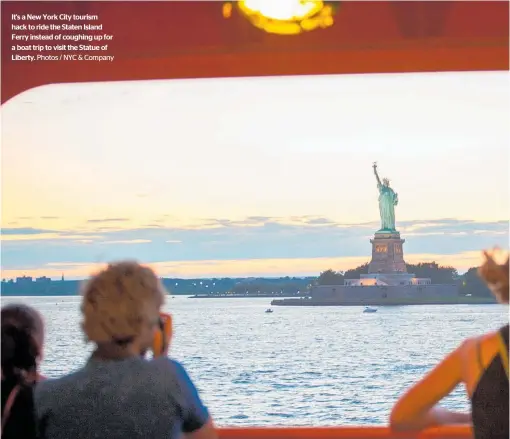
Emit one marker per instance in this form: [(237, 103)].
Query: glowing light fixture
[(285, 17)]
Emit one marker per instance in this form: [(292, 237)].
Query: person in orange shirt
[(481, 363)]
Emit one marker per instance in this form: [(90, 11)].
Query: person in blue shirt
[(119, 394)]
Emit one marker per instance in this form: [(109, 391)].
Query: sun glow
[(284, 10), (284, 17)]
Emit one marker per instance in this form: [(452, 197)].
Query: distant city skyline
[(252, 176)]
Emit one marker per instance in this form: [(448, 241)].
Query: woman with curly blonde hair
[(481, 363), (118, 393)]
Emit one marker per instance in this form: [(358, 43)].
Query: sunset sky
[(248, 177)]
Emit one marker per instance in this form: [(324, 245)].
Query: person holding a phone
[(119, 393)]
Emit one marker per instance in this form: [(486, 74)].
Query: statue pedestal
[(387, 253)]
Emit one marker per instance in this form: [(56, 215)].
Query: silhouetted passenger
[(481, 363), (119, 394), (22, 343)]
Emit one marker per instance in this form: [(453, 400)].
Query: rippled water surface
[(296, 366)]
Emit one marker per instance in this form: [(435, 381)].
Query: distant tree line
[(175, 286), (469, 282), (283, 285)]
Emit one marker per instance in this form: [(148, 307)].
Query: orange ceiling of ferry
[(164, 40)]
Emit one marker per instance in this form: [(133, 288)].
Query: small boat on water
[(368, 309), (269, 310)]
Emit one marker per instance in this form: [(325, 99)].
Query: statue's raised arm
[(376, 174)]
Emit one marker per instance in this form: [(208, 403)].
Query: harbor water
[(295, 366)]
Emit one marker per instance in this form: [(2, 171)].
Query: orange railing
[(450, 432)]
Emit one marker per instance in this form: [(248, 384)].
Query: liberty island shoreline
[(297, 288), (379, 302)]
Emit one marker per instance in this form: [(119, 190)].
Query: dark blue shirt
[(128, 399)]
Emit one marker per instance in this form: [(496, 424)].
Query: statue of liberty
[(388, 199)]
